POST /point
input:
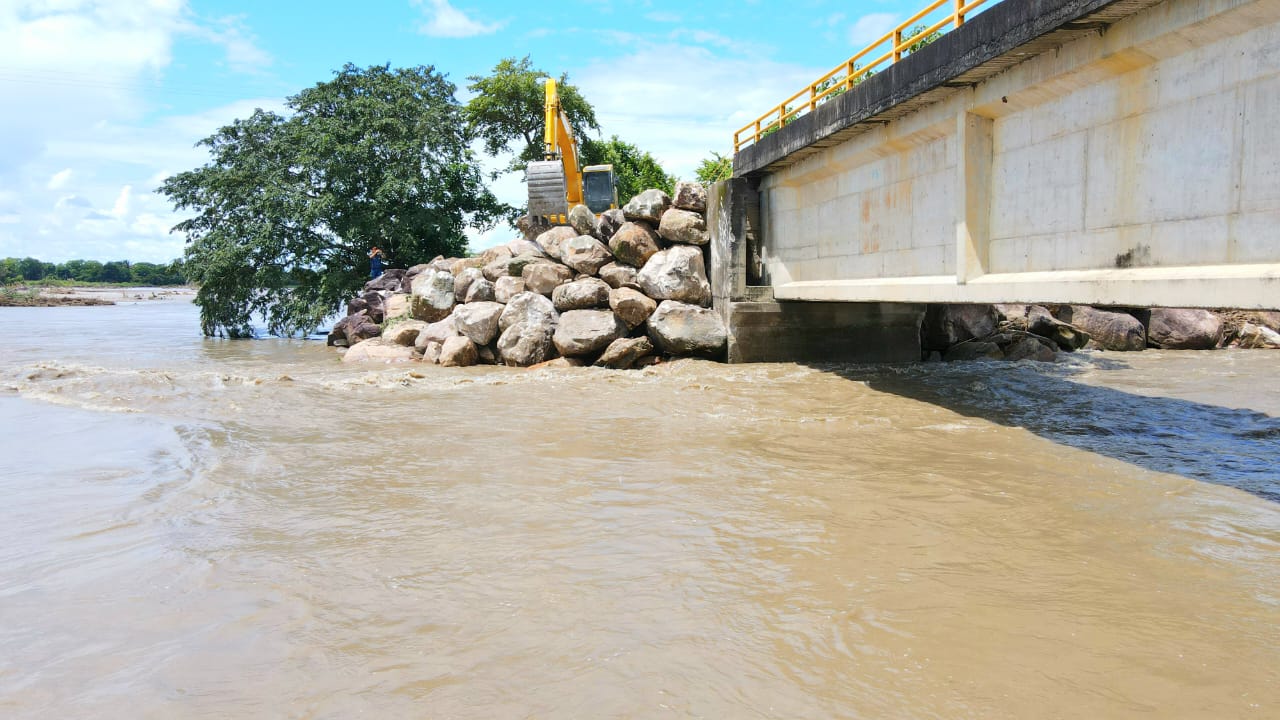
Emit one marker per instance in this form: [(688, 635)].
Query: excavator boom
[(556, 182)]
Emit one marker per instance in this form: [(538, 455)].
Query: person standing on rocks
[(375, 262)]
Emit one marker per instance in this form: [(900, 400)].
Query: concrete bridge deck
[(1047, 151)]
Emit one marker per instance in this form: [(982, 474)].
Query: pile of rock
[(1038, 332), (620, 290)]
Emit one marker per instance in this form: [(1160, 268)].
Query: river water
[(211, 528)]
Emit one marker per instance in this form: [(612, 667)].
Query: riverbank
[(79, 296)]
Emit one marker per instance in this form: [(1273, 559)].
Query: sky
[(100, 100)]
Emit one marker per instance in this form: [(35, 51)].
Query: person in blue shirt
[(375, 262)]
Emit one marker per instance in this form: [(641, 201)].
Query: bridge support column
[(762, 329), (975, 141)]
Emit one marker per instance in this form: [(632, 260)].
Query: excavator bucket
[(547, 190)]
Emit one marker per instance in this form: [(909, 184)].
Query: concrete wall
[(1137, 165)]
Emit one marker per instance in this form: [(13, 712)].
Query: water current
[(206, 528)]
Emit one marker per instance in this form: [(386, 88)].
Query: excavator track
[(547, 189)]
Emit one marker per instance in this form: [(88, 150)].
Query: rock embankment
[(1039, 332), (621, 290)]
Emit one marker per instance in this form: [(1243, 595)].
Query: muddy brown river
[(199, 528)]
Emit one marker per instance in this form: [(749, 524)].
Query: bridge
[(1100, 152)]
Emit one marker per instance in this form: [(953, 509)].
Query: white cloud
[(447, 21), (59, 179), (682, 116), (82, 71), (870, 28)]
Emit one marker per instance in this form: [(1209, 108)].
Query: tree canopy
[(635, 169), (714, 169), (507, 110), (289, 206)]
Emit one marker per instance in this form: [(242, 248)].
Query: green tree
[(714, 169), (635, 169), (30, 268), (287, 208), (917, 33), (116, 271), (508, 108), (9, 271)]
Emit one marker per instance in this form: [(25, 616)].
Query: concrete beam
[(1211, 286)]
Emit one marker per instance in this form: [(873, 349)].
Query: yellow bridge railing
[(900, 41)]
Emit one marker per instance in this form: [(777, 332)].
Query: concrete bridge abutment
[(1095, 152)]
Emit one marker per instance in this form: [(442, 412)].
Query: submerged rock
[(682, 329)]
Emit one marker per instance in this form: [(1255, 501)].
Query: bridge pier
[(763, 329)]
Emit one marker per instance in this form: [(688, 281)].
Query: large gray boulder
[(521, 246), (354, 329), (690, 196), (496, 269), (441, 262), (436, 332), (648, 206), (480, 291), (531, 226), (478, 321), (523, 344), (530, 309), (474, 263), (683, 226), (507, 288), (433, 297), (377, 350), (682, 329), (1031, 347), (610, 221), (624, 352), (973, 350), (677, 273), (494, 254), (517, 264), (634, 244), (404, 333), (947, 325), (586, 254), (583, 332), (396, 305), (632, 306), (544, 277), (582, 220), (1184, 329), (430, 352), (1065, 336), (619, 275), (1109, 330), (388, 281), (372, 303), (551, 240), (458, 352), (580, 295), (462, 282)]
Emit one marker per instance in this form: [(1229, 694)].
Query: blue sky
[(102, 99)]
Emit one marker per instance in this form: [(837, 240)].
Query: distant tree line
[(29, 269)]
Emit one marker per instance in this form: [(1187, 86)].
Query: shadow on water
[(1221, 445)]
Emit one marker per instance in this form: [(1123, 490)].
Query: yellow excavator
[(556, 184)]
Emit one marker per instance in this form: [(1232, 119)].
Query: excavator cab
[(599, 188), (556, 183)]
